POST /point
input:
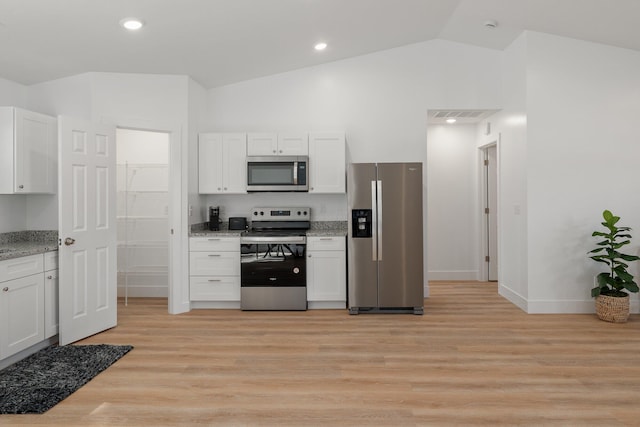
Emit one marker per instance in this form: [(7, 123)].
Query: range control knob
[(299, 213), (305, 213), (255, 213), (261, 212)]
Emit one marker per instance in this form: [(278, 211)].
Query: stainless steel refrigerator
[(385, 238)]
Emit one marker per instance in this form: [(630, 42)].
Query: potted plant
[(611, 291)]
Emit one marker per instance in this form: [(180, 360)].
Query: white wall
[(509, 128), (197, 104), (380, 100), (452, 206), (12, 207), (583, 151)]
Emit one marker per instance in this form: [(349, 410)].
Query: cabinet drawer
[(329, 243), (217, 244), (50, 260), (21, 267), (214, 263), (214, 288)]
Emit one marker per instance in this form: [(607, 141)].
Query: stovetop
[(275, 233)]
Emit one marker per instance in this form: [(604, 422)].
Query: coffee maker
[(214, 218)]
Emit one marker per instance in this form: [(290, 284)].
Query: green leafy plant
[(614, 281)]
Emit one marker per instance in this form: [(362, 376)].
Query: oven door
[(273, 264), (273, 276)]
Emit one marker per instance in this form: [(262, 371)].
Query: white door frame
[(178, 301), (483, 271)]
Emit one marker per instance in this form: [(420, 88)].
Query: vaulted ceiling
[(218, 42)]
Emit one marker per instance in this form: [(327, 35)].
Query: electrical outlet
[(190, 210)]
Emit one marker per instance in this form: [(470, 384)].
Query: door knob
[(69, 241)]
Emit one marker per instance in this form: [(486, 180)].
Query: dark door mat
[(37, 383)]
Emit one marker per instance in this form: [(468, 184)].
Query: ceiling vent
[(461, 116)]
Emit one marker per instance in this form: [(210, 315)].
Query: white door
[(87, 229)]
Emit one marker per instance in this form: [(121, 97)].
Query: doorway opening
[(143, 213), (489, 154), (457, 195)]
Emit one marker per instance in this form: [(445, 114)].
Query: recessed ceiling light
[(451, 121), (320, 46), (132, 23)]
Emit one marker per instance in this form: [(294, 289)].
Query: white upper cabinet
[(28, 152), (273, 144), (293, 144), (262, 144), (222, 163), (327, 162)]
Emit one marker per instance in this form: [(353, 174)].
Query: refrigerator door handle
[(379, 220), (374, 222)]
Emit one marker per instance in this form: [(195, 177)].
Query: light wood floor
[(472, 359)]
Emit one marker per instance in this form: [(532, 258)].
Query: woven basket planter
[(612, 309)]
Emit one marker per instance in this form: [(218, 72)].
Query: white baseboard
[(454, 275), (513, 297), (586, 306), (144, 291), (571, 306), (215, 304)]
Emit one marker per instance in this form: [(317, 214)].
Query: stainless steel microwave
[(277, 173)]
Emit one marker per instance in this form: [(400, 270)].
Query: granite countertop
[(24, 243), (318, 228), (328, 228)]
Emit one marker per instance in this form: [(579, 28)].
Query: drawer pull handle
[(214, 254), (214, 240), (326, 238), (215, 280), (5, 289)]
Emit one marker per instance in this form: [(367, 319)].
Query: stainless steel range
[(273, 259)]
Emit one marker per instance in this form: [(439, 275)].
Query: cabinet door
[(293, 144), (327, 166), (326, 276), (262, 144), (50, 303), (210, 163), (235, 163), (36, 152), (21, 310)]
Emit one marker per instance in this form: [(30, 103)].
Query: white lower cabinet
[(22, 308), (214, 272), (27, 296), (326, 272)]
